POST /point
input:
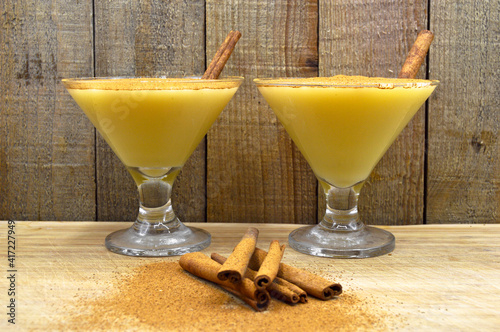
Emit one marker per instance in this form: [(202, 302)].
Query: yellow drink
[(344, 125), (152, 123)]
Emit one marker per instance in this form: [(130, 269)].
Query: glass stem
[(155, 191), (155, 205), (156, 214), (342, 208)]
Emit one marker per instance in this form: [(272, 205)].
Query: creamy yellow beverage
[(152, 123), (343, 125)]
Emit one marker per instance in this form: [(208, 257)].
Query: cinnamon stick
[(417, 55), (294, 288), (311, 283), (235, 266), (270, 266), (221, 56), (202, 266), (254, 304), (279, 288), (283, 293)]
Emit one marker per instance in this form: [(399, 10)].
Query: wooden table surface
[(440, 277)]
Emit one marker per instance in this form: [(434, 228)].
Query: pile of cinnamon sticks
[(255, 275)]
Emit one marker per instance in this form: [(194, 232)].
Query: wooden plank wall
[(47, 156), (372, 38), (148, 38), (444, 168), (255, 173), (464, 117)]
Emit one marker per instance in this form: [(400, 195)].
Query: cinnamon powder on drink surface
[(161, 296)]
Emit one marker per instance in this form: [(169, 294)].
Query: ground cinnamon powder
[(161, 296), (344, 80)]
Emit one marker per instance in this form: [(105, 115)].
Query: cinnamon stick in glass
[(270, 266), (417, 54), (279, 288), (313, 284), (236, 264), (202, 266), (221, 56)]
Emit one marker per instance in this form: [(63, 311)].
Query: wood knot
[(478, 144)]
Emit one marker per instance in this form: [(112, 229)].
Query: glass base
[(144, 239), (320, 241)]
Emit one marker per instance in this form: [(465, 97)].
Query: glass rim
[(145, 78), (289, 82), (153, 83)]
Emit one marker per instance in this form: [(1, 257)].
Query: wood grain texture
[(46, 145), (149, 38), (464, 114), (254, 172), (53, 166), (450, 275), (373, 39)]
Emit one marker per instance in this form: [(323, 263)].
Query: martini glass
[(153, 125), (343, 125)]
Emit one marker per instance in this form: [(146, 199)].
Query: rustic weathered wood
[(464, 114), (254, 172), (149, 38), (450, 275), (373, 39), (54, 166), (46, 145)]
